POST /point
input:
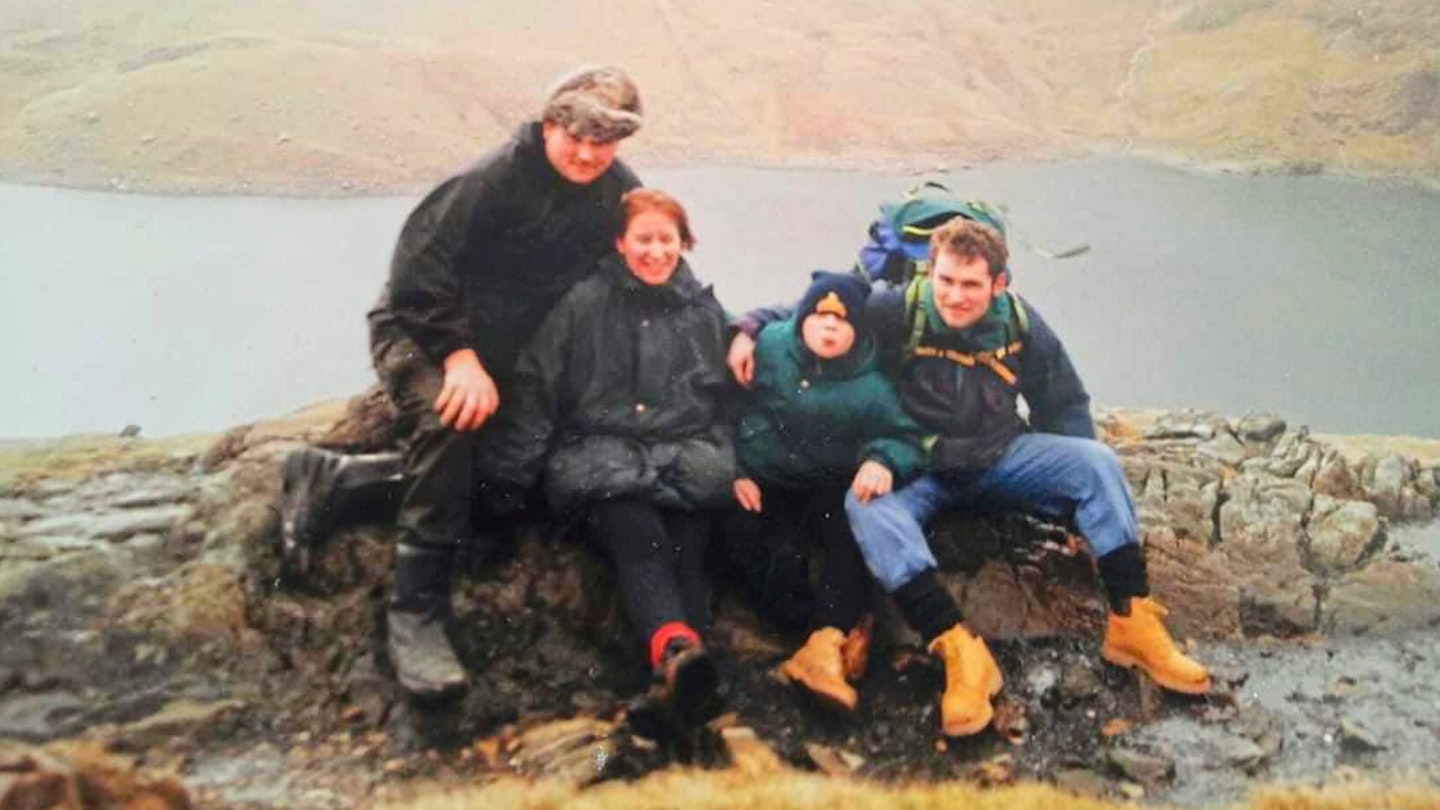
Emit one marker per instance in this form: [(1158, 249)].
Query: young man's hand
[(469, 396), (747, 492), (741, 360), (872, 480)]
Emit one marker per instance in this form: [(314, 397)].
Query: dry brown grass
[(323, 96), (729, 790)]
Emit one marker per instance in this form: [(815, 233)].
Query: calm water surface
[(1313, 297)]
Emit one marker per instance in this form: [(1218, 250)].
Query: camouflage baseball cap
[(600, 103)]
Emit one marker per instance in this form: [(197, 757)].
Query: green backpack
[(899, 245)]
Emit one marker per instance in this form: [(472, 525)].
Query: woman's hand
[(469, 396), (872, 480), (747, 492), (741, 360)]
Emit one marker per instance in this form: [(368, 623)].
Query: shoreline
[(919, 164)]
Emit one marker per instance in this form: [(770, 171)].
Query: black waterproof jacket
[(624, 388), (485, 256)]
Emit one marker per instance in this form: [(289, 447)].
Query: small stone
[(1082, 782), (1132, 791), (1241, 753), (283, 139), (1148, 769), (130, 431), (1356, 738)]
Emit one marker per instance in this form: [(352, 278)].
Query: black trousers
[(443, 501), (659, 555), (770, 551)]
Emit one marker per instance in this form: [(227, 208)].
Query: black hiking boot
[(685, 695), (320, 487), (306, 514), (425, 663)]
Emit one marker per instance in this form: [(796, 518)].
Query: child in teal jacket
[(820, 419)]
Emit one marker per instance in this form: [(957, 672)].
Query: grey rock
[(1042, 681), (42, 716), (1258, 428), (1354, 737), (19, 509), (170, 492), (1341, 533), (1334, 477), (1082, 782), (1225, 449), (1238, 752), (1261, 525), (1079, 683), (1188, 424), (116, 525), (1386, 596), (185, 720), (1147, 769)]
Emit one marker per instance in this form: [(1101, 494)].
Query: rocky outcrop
[(128, 573)]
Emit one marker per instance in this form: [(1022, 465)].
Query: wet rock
[(1259, 428), (1355, 738), (41, 716), (180, 722), (1082, 781), (1229, 676), (1079, 684), (833, 761), (577, 752), (1147, 769), (1259, 725), (1041, 682), (1238, 752), (1343, 688), (115, 526), (168, 492), (1342, 533), (749, 754), (1386, 596)]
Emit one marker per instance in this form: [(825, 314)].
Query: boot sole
[(798, 679), (1127, 661), (997, 682)]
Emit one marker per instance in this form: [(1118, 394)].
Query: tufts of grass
[(732, 790)]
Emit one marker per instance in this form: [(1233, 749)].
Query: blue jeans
[(1055, 477)]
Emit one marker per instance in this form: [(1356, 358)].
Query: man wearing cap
[(479, 263), (965, 349)]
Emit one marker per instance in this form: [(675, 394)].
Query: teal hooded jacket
[(811, 422)]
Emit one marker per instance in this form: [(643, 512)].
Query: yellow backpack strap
[(915, 311)]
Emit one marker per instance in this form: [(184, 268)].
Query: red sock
[(663, 636)]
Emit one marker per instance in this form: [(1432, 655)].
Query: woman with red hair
[(618, 405)]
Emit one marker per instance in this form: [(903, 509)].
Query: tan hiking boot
[(855, 652), (972, 678), (819, 667), (1141, 640)]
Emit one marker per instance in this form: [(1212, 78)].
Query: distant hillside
[(325, 96)]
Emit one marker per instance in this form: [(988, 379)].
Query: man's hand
[(872, 480), (469, 396), (747, 492), (741, 360)]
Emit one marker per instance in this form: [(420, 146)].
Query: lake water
[(1313, 297)]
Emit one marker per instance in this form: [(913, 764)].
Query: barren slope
[(331, 97)]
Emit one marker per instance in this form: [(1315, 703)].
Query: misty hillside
[(323, 96)]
